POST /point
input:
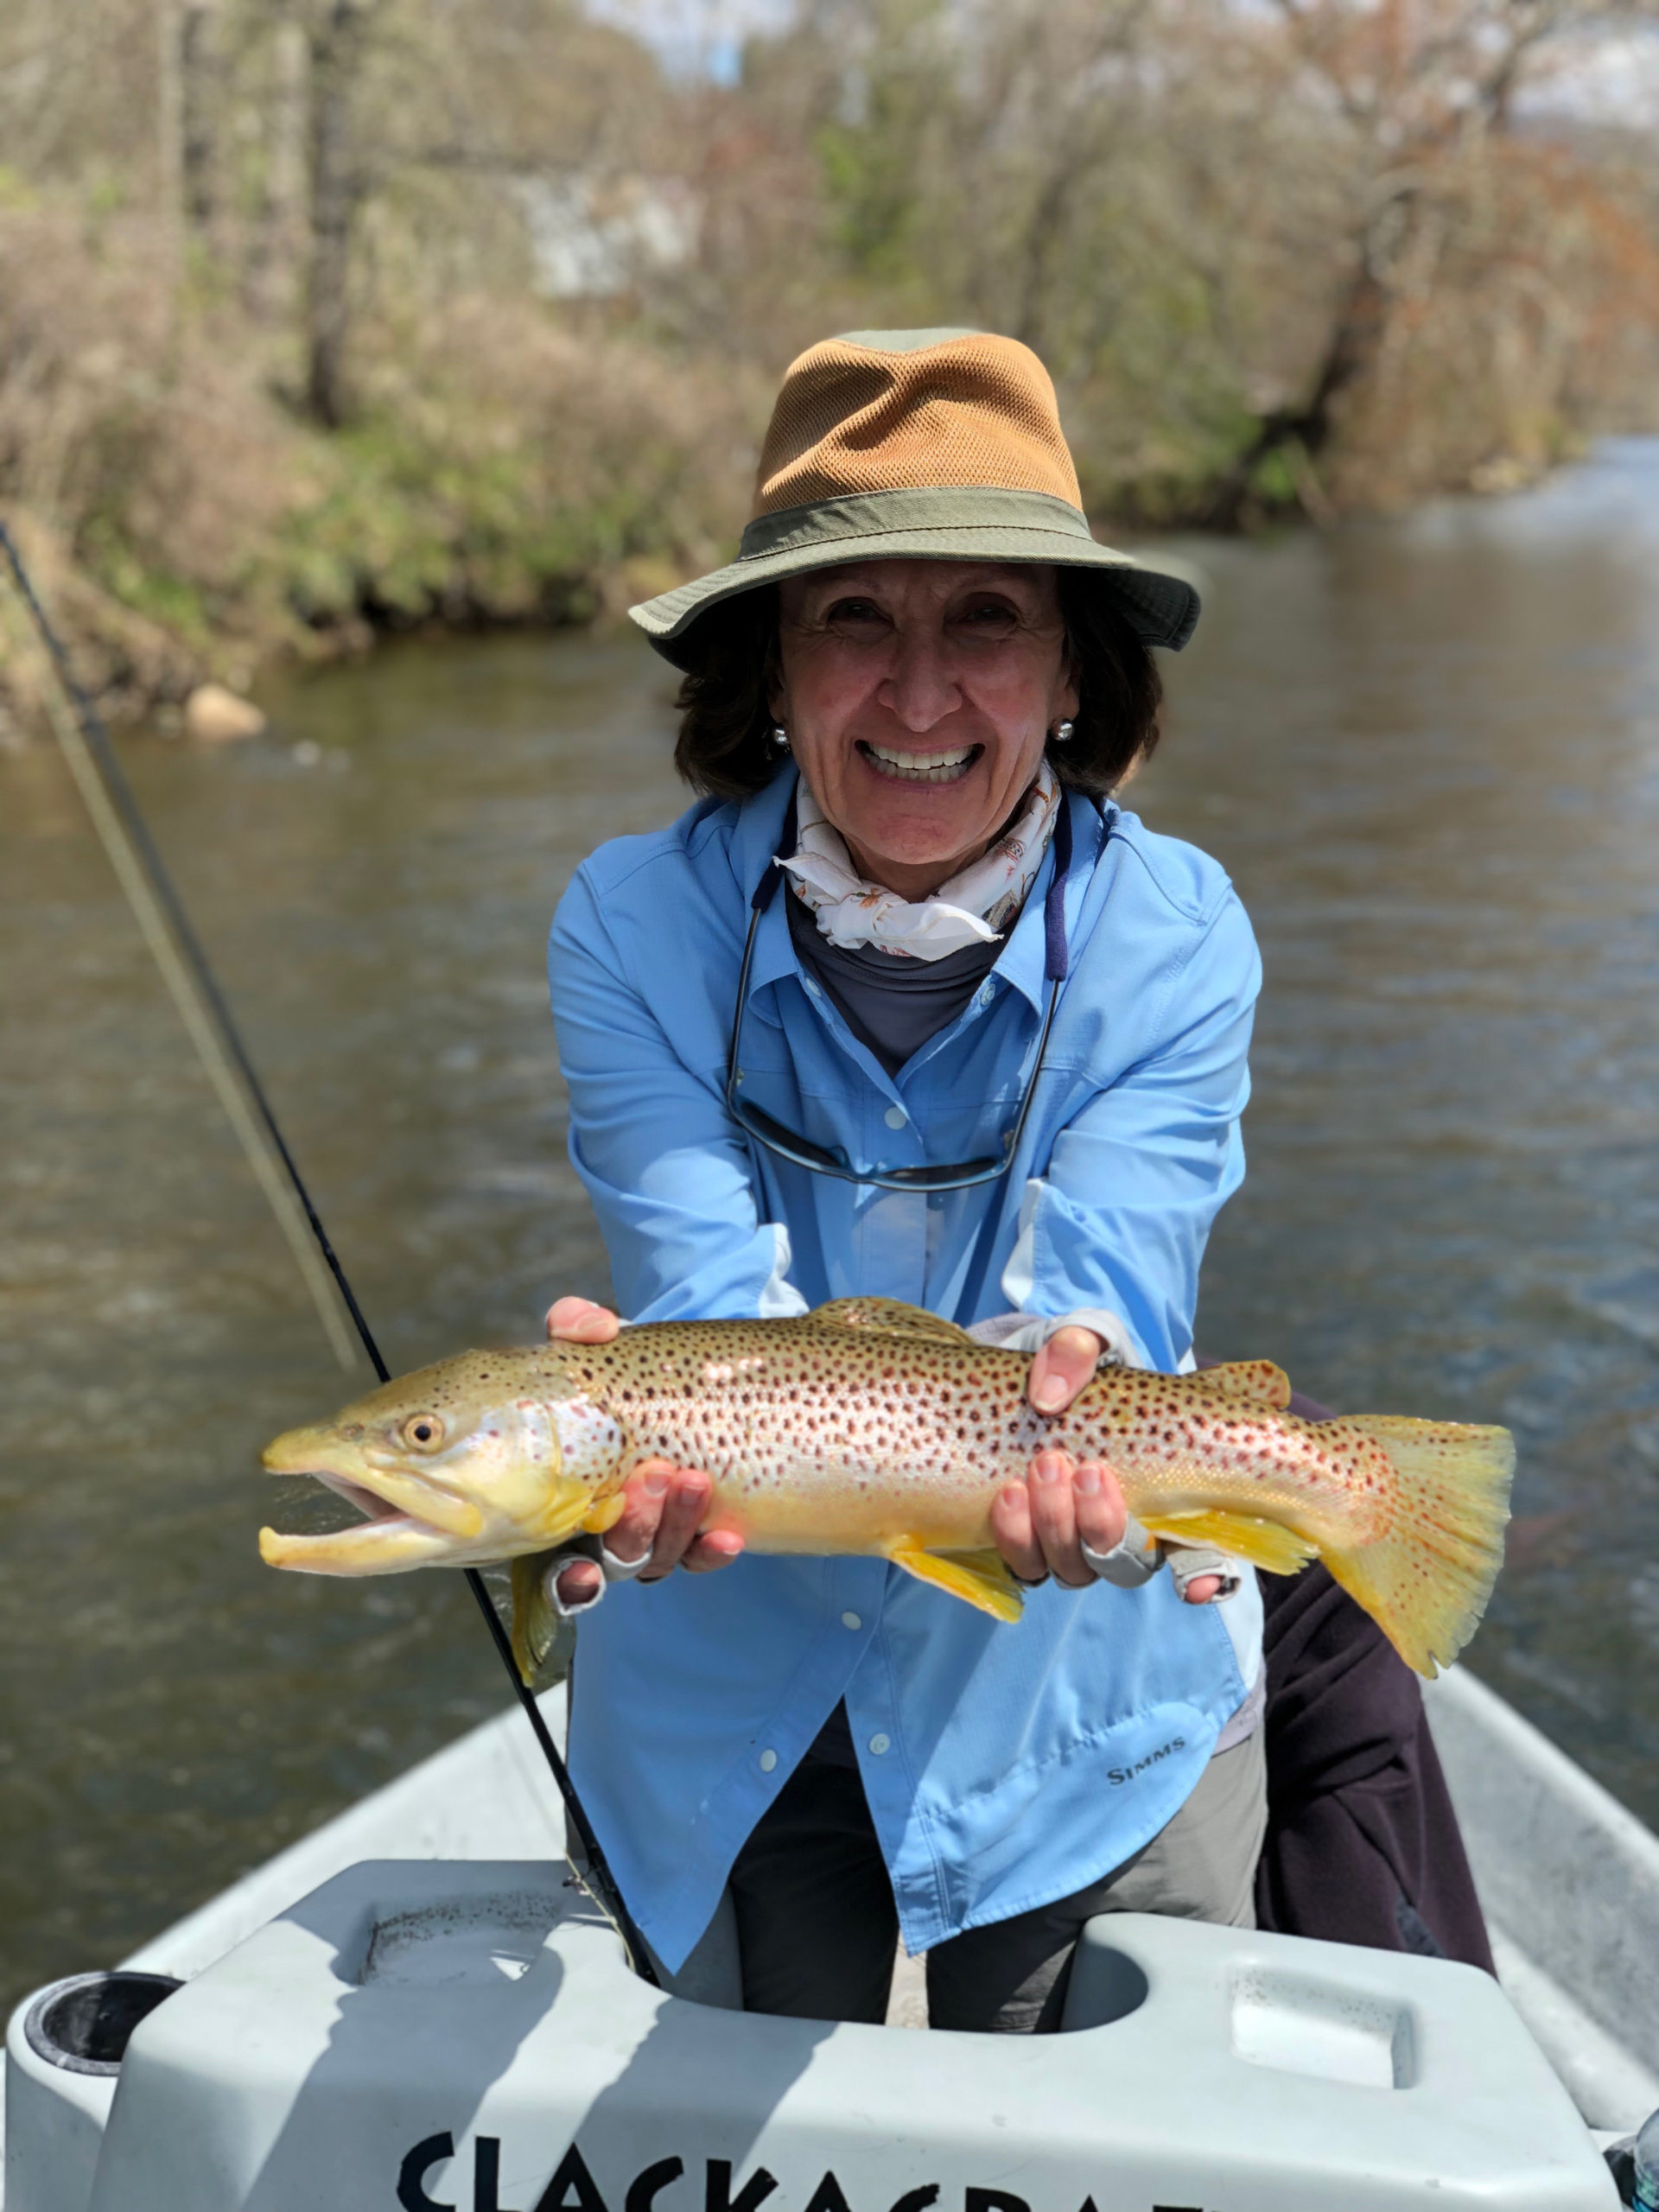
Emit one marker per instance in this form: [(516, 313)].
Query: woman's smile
[(915, 766)]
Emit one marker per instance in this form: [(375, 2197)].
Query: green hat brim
[(953, 523)]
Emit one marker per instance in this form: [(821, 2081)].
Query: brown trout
[(870, 1427)]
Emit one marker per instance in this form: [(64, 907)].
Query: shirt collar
[(759, 826)]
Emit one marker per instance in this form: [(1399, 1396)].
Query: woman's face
[(917, 695)]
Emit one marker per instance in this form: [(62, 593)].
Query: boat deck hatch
[(1299, 2025), (492, 1938)]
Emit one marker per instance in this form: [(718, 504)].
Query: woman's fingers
[(719, 1549), (635, 1531), (673, 1503), (1054, 1518), (1202, 1589), (662, 1507), (579, 1321), (1012, 1533), (1100, 1511), (685, 1500), (1041, 1525), (1035, 1525), (1065, 1363)]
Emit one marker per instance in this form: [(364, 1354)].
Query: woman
[(908, 1006)]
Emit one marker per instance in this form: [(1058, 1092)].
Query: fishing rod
[(168, 929)]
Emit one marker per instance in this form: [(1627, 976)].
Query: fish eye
[(423, 1432)]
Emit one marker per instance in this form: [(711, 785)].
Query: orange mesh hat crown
[(940, 445)]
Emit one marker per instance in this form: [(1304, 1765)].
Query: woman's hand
[(665, 1503), (1042, 1524)]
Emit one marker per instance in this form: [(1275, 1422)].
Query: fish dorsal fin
[(1258, 1380), (891, 1317)]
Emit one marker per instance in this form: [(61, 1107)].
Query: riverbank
[(505, 463), (186, 523)]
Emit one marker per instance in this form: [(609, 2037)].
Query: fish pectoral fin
[(1266, 1544), (535, 1624), (1257, 1380), (891, 1317), (604, 1513), (980, 1577)]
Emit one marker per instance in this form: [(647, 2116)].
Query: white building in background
[(1600, 75), (591, 239)]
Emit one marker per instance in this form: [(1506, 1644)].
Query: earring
[(1062, 732), (780, 737)]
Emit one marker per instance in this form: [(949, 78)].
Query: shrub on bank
[(188, 523)]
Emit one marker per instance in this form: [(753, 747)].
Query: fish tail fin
[(1426, 1583)]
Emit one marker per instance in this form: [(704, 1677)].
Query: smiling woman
[(987, 1057)]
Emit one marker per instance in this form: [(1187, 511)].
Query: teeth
[(921, 767)]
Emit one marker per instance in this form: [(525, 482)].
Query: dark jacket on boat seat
[(1363, 1846)]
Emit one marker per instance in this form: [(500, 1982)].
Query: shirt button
[(895, 1117), (986, 993), (880, 1743), (768, 1760), (851, 1620)]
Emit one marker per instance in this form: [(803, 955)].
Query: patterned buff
[(970, 909)]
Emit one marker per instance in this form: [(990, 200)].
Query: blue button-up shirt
[(1004, 1766)]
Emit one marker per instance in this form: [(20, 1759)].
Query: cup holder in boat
[(84, 2023)]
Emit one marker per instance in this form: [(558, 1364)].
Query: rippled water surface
[(1427, 750)]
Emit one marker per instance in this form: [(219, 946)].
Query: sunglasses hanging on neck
[(819, 1160)]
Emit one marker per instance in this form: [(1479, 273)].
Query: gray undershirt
[(892, 1001)]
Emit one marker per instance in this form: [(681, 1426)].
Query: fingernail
[(1050, 1394), (1013, 1493), (1088, 1479), (656, 1485)]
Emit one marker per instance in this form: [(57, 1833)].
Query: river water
[(1428, 752)]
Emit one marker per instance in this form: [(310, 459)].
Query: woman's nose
[(920, 687)]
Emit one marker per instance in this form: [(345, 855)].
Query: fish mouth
[(408, 1520)]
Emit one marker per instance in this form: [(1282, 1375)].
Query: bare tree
[(1419, 87), (339, 37)]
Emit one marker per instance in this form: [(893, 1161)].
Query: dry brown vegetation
[(318, 316)]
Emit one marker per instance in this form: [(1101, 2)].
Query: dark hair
[(725, 745)]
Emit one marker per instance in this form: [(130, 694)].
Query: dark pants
[(817, 1931), (1363, 1845)]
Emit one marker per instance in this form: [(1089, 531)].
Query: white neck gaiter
[(970, 909)]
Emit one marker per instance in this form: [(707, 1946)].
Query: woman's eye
[(423, 1432), (987, 614), (855, 612)]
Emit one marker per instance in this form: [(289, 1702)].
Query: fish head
[(479, 1458)]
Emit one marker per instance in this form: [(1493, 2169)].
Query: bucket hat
[(942, 445)]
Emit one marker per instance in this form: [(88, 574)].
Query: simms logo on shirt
[(1116, 1775)]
